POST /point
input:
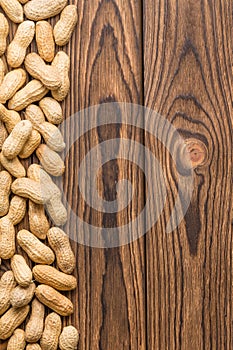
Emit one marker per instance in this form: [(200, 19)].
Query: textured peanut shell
[(17, 210), (32, 92), (36, 250), (10, 118), (21, 296), (7, 284), (44, 40), (52, 331), (13, 10), (13, 166), (62, 63), (35, 325), (30, 189), (59, 242), (12, 82), (54, 206), (38, 10), (16, 51), (17, 139), (38, 222), (54, 278), (3, 134), (2, 69), (21, 270), (33, 347), (50, 160), (17, 340), (31, 144), (54, 300), (69, 338), (52, 110), (11, 320), (48, 75), (5, 189), (65, 26), (50, 132), (35, 115), (7, 238), (52, 136), (4, 31)]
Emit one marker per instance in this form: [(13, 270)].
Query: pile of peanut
[(32, 87)]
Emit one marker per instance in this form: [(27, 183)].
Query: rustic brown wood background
[(162, 291)]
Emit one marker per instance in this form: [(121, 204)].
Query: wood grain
[(188, 79), (106, 66)]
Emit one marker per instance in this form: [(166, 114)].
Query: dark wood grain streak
[(188, 79)]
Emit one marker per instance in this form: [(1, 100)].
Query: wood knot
[(198, 152)]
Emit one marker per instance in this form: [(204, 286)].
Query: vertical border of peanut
[(162, 130)]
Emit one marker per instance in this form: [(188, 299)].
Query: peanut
[(12, 82), (52, 331), (50, 132), (2, 68), (7, 284), (45, 41), (3, 134), (10, 118), (52, 110), (54, 206), (21, 296), (38, 10), (36, 250), (59, 242), (13, 9), (35, 115), (17, 340), (54, 278), (50, 160), (5, 190), (7, 238), (62, 63), (17, 139), (38, 222), (52, 136), (32, 92), (30, 189), (11, 320), (4, 31), (48, 75), (31, 145), (16, 51), (69, 338), (17, 210), (33, 347), (21, 270), (35, 325), (14, 166), (65, 26), (51, 298)]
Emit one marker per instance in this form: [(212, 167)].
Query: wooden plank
[(106, 67), (188, 79)]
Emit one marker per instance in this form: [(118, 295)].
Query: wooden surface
[(189, 272), (164, 291)]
